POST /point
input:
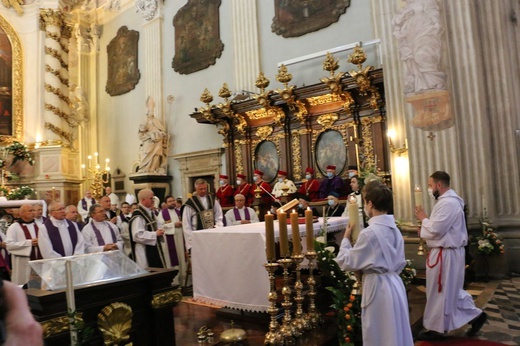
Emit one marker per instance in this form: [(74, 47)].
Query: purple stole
[(237, 214), (170, 240), (123, 217), (84, 203), (99, 237), (55, 237), (34, 255)]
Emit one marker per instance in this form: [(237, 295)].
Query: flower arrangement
[(339, 284), (20, 152), (20, 192), (408, 273), (489, 243)]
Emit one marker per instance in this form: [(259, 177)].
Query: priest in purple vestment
[(101, 235), (240, 214)]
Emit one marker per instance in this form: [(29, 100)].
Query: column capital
[(49, 17)]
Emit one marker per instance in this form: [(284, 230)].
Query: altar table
[(228, 263)]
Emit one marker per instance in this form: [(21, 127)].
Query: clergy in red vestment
[(225, 192)]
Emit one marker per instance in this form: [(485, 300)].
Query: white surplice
[(45, 244), (277, 189), (178, 235), (379, 253), (142, 237), (20, 249), (189, 219), (445, 230), (105, 229), (232, 221)]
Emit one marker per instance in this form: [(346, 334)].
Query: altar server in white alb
[(379, 254), (60, 237), (101, 235), (448, 306), (240, 214), (22, 243), (283, 183)]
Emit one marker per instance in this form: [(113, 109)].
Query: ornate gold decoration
[(57, 74), (261, 82), (166, 298), (16, 4), (327, 120), (286, 93), (296, 154), (206, 97), (57, 92), (368, 145), (343, 129), (264, 132), (263, 98), (301, 113), (115, 323), (238, 156), (56, 55), (240, 123), (362, 78), (323, 99), (257, 114), (60, 132), (50, 17), (334, 81), (17, 84), (66, 32), (57, 325), (70, 119)]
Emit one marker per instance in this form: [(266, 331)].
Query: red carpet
[(458, 342)]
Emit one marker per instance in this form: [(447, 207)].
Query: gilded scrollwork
[(327, 120), (57, 74), (49, 88), (343, 129), (115, 323), (296, 154), (60, 132), (50, 17), (161, 300), (56, 55), (368, 145), (363, 80), (238, 156), (301, 113), (17, 83), (264, 132), (323, 99), (240, 123), (58, 325)]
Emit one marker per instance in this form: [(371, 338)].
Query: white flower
[(320, 239), (330, 249)]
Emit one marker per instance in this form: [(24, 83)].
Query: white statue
[(154, 142), (79, 107), (417, 27)]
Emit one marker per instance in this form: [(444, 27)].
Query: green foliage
[(20, 152), (489, 243)]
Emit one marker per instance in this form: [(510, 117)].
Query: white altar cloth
[(228, 263)]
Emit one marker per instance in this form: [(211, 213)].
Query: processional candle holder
[(258, 192), (287, 329), (312, 316), (299, 322), (418, 202), (273, 336), (420, 249), (97, 176)]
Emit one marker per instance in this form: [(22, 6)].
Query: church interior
[(147, 94)]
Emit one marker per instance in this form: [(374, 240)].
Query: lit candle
[(269, 237), (282, 226), (309, 230), (89, 160), (295, 231), (106, 164), (97, 158), (353, 216), (418, 195)]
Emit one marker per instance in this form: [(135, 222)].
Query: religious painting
[(331, 150), (197, 36), (123, 72), (295, 18), (267, 160), (11, 83)]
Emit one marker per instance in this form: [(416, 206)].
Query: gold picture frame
[(11, 101)]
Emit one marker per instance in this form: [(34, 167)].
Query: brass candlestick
[(287, 329), (420, 249), (312, 316), (299, 323), (273, 336)]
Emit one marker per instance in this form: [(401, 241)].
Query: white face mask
[(331, 202), (221, 182), (330, 175), (430, 193), (280, 180), (308, 176), (255, 178), (351, 174), (239, 182), (300, 206)]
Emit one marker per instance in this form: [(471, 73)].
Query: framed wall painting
[(123, 71), (267, 160), (11, 84), (295, 18), (331, 150)]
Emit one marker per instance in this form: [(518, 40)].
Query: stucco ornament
[(147, 8)]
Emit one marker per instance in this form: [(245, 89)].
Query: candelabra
[(312, 316), (95, 175), (299, 322), (273, 336), (287, 329)]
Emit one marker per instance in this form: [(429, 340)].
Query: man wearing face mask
[(448, 306), (311, 186), (334, 208), (225, 192), (265, 194), (332, 183), (304, 204), (282, 182), (243, 188)]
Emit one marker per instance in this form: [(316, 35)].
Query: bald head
[(145, 197), (26, 212)]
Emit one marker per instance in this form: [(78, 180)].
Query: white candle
[(418, 195), (71, 303)]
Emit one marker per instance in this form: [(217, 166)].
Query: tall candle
[(309, 230), (295, 231), (269, 237), (71, 302), (353, 216), (282, 226), (418, 195)]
